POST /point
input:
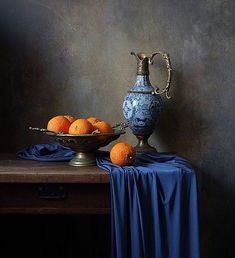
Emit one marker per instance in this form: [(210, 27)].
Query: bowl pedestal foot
[(83, 159)]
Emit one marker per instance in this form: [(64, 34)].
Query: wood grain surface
[(15, 170), (25, 184)]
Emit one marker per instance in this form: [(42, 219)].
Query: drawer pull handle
[(51, 192)]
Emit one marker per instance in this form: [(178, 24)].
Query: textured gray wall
[(64, 56)]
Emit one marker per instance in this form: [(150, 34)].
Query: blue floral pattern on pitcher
[(142, 111)]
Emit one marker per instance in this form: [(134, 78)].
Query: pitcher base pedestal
[(143, 145)]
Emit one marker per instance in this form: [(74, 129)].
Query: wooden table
[(32, 187)]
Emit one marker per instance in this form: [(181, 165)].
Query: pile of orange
[(70, 125), (122, 154)]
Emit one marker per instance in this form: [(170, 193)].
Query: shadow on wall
[(32, 76), (183, 130), (22, 75), (217, 209), (168, 129)]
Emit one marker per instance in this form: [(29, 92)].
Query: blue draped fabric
[(154, 207), (46, 152)]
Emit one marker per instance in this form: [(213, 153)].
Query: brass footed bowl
[(85, 145)]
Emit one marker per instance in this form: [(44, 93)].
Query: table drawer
[(54, 198)]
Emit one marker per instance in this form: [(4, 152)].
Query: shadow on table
[(52, 236)]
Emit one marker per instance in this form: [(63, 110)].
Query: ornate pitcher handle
[(166, 57)]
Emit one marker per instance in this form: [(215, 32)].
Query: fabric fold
[(46, 152), (154, 207)]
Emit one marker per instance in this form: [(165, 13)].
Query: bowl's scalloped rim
[(116, 132)]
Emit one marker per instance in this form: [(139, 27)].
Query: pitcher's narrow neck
[(142, 80)]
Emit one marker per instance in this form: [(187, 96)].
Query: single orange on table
[(81, 126), (58, 124), (93, 120), (103, 127), (123, 154)]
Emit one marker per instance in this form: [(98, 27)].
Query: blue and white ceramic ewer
[(143, 104)]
